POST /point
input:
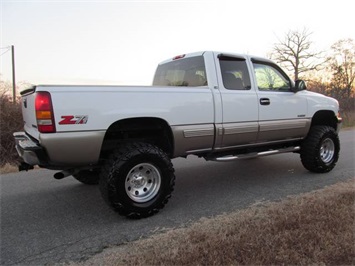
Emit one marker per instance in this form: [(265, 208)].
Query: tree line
[(331, 73)]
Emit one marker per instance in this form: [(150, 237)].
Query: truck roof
[(229, 54)]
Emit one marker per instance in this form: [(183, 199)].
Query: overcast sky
[(121, 42)]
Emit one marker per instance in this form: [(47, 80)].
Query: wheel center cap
[(138, 181)]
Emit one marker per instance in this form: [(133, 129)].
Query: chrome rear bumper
[(27, 149)]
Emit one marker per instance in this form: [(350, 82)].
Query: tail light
[(44, 112)]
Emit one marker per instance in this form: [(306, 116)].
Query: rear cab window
[(187, 72)]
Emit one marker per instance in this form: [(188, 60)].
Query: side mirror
[(300, 85)]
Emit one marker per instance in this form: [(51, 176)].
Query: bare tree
[(342, 66), (295, 54)]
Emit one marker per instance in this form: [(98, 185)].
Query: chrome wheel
[(327, 150), (143, 182), (137, 179)]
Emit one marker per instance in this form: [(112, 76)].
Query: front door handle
[(265, 101)]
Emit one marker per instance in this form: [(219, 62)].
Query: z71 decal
[(73, 119)]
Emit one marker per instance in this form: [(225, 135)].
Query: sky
[(121, 42)]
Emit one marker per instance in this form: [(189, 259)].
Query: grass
[(348, 119), (312, 229), (8, 168)]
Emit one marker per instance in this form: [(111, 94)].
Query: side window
[(235, 73), (187, 72), (270, 78)]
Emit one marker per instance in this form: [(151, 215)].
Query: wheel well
[(151, 130), (326, 118)]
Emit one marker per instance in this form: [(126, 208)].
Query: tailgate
[(28, 112)]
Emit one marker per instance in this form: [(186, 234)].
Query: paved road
[(46, 221)]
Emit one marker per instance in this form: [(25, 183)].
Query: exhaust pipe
[(62, 174)]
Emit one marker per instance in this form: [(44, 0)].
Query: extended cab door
[(239, 103), (282, 113)]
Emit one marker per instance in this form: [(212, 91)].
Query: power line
[(8, 49)]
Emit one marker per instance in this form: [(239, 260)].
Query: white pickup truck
[(218, 106)]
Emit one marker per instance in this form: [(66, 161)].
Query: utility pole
[(13, 75)]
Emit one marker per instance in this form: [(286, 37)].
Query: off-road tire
[(320, 150), (137, 180), (88, 177)]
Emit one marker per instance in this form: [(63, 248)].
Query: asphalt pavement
[(46, 221)]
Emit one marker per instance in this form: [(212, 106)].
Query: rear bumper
[(30, 151), (60, 151)]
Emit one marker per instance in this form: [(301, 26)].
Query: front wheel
[(320, 150), (137, 180)]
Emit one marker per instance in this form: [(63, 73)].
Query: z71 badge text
[(73, 119)]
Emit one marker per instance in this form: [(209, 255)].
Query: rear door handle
[(265, 101)]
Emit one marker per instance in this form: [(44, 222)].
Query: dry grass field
[(316, 228), (8, 168)]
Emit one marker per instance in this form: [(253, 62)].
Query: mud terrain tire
[(320, 150), (137, 180)]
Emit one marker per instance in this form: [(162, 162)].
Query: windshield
[(189, 72)]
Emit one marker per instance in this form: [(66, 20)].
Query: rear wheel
[(137, 180), (320, 150)]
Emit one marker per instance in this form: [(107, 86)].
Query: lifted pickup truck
[(215, 105)]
